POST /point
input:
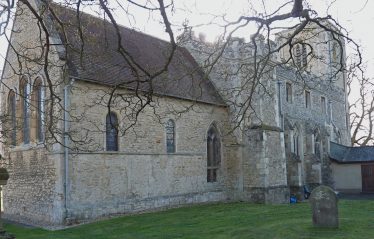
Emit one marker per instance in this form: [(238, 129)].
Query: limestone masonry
[(194, 143)]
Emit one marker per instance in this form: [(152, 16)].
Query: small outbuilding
[(352, 168)]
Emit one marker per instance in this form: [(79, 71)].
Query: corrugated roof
[(345, 154), (101, 62)]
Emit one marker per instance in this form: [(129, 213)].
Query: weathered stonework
[(142, 176), (264, 155), (33, 193), (128, 183), (259, 161), (306, 131)]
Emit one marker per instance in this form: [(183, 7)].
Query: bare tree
[(296, 44), (143, 79), (361, 92)]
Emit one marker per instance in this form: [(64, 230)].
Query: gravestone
[(324, 204)]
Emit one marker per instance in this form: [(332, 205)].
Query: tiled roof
[(345, 154), (101, 62)]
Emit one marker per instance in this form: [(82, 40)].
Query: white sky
[(356, 16)]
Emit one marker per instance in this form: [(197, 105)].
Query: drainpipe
[(66, 142)]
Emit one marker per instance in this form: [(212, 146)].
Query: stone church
[(208, 134)]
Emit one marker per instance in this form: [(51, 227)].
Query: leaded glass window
[(305, 56), (213, 154), (25, 91), (296, 147), (307, 99), (335, 55), (323, 105), (39, 104), (301, 55), (111, 132), (298, 55), (12, 115), (317, 144), (170, 136), (289, 92)]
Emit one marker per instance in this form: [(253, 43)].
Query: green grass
[(234, 220)]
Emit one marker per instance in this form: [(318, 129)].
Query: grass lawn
[(234, 220)]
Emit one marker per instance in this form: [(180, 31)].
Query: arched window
[(317, 144), (37, 119), (40, 109), (287, 141), (213, 154), (170, 136), (296, 142), (297, 55), (289, 92), (111, 132), (12, 117), (301, 55), (335, 50), (25, 108), (305, 55)]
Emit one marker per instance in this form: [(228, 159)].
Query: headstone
[(324, 204)]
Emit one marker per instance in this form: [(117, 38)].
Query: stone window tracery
[(298, 55), (334, 52), (301, 55), (111, 132), (317, 144), (213, 154), (296, 148), (12, 117), (323, 105), (25, 110), (307, 99), (304, 55), (289, 92), (170, 136), (37, 99)]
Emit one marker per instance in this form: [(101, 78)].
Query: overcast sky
[(356, 16)]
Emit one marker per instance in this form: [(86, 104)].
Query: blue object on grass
[(293, 199)]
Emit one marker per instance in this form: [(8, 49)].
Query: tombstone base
[(328, 223)]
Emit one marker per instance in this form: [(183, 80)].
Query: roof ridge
[(104, 20), (103, 63)]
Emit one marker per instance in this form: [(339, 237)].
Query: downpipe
[(67, 87)]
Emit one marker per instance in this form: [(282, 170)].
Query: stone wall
[(308, 121), (142, 175), (323, 53), (254, 113), (34, 192), (293, 170), (112, 183), (264, 167), (232, 76)]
